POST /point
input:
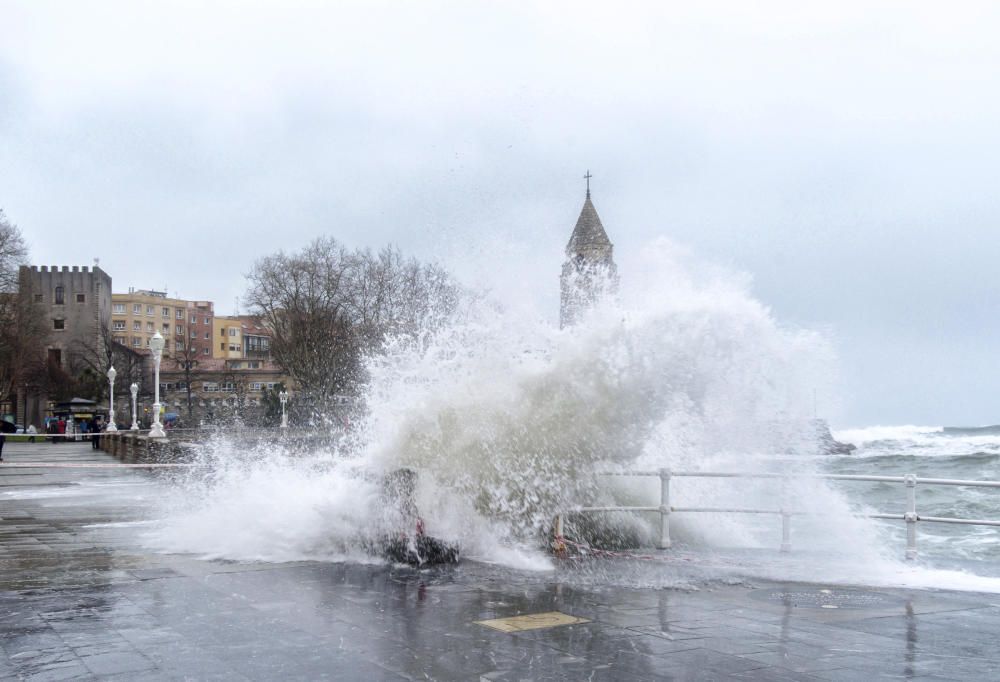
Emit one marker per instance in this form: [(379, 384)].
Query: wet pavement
[(81, 599)]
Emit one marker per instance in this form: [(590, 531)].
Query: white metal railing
[(910, 516)]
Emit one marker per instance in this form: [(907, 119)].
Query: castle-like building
[(589, 272)]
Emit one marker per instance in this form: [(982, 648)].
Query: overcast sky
[(845, 155)]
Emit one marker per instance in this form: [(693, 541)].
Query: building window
[(119, 308), (208, 335), (228, 387), (147, 342), (233, 347), (136, 326), (253, 364), (58, 324), (179, 345), (194, 334), (209, 386), (59, 296), (149, 327), (206, 321), (137, 309), (118, 325), (232, 331), (150, 310), (120, 339), (81, 298), (204, 351), (39, 298), (222, 346), (222, 331), (256, 386), (182, 385), (136, 342), (165, 312), (180, 330), (194, 319), (166, 327), (180, 314)]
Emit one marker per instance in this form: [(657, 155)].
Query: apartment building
[(240, 337), (139, 314), (220, 388)]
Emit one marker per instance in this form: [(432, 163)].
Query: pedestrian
[(3, 439), (31, 433), (95, 431), (61, 429)]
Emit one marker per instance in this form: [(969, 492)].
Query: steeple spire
[(588, 236), (589, 272)]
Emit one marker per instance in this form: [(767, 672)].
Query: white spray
[(507, 419)]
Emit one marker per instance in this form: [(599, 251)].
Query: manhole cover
[(819, 598), (531, 621)]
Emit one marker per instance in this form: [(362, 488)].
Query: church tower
[(589, 272)]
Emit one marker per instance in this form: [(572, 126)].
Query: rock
[(826, 442)]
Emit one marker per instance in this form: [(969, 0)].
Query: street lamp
[(156, 346), (283, 397), (135, 416), (111, 400)]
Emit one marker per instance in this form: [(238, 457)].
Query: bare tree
[(302, 298), (186, 361), (23, 338), (238, 380), (13, 254), (23, 332), (90, 360), (327, 307)]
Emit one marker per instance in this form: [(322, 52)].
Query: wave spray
[(509, 421)]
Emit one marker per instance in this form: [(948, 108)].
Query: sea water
[(511, 421), (930, 452)]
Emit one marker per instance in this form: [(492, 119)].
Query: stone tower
[(75, 306), (589, 272)]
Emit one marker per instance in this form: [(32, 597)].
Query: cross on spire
[(587, 177)]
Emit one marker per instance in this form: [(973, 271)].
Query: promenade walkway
[(81, 599)]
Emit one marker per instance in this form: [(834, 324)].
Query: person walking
[(5, 428), (95, 434)]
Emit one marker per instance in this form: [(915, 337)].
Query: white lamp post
[(111, 401), (135, 416), (156, 346), (283, 397)]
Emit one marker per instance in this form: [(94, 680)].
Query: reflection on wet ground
[(80, 599)]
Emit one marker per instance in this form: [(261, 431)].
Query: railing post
[(558, 544), (664, 542), (786, 519), (911, 516)]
